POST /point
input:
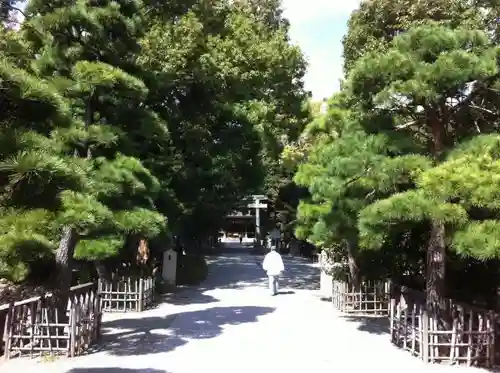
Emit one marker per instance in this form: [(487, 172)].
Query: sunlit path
[(232, 324)]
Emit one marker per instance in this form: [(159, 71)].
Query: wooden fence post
[(97, 314), (491, 340), (72, 331), (424, 324), (140, 305), (151, 290), (7, 333), (392, 310)]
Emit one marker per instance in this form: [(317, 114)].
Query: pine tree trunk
[(353, 269), (436, 251), (101, 270), (436, 266), (64, 264), (67, 244)]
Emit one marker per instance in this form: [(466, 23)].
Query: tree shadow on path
[(240, 271), (188, 295), (372, 325), (234, 271), (150, 335), (300, 275), (114, 370)]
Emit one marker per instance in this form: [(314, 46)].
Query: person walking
[(273, 265)]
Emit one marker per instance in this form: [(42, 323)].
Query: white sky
[(317, 26), (302, 11)]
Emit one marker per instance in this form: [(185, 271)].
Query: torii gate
[(257, 205)]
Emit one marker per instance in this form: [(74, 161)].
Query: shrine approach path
[(232, 324)]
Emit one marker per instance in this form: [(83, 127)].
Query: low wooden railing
[(126, 294), (466, 336), (372, 298), (34, 327)]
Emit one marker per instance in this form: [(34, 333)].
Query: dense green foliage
[(401, 170), (125, 120)]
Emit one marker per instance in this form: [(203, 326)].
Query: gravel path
[(231, 324)]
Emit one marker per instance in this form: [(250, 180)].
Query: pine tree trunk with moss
[(354, 273), (436, 251), (101, 270), (69, 239), (64, 265), (436, 271)]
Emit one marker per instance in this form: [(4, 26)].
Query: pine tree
[(377, 22), (88, 49), (440, 72), (33, 172), (346, 170)]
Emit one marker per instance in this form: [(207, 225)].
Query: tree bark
[(69, 239), (100, 268), (353, 269), (64, 265), (436, 270), (436, 251)]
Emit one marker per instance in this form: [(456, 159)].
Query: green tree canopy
[(123, 115), (423, 99)]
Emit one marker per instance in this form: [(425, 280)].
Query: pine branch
[(14, 8), (482, 109), (356, 178), (475, 92)]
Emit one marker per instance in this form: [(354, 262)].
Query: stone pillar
[(326, 281), (169, 270)]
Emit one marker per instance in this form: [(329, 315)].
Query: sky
[(317, 27)]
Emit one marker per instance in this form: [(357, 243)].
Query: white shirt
[(273, 264)]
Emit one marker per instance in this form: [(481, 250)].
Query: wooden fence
[(34, 327), (126, 294), (372, 298), (468, 336)]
